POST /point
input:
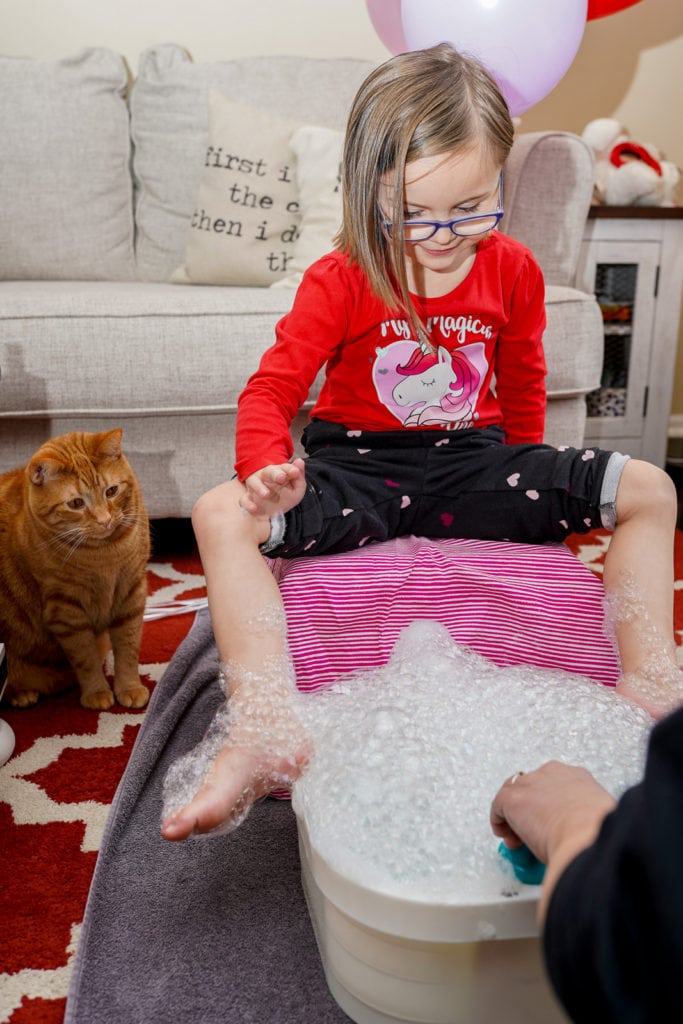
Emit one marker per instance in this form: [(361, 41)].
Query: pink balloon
[(527, 45), (385, 16)]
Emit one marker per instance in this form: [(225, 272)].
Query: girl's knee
[(644, 488), (217, 508)]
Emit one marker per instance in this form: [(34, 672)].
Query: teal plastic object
[(527, 867)]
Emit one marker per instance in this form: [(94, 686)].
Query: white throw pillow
[(245, 221), (318, 164), (66, 191)]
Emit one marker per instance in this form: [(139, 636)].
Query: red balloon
[(601, 8)]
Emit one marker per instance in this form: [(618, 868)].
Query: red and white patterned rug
[(56, 790), (55, 793)]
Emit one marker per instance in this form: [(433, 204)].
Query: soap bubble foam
[(259, 716), (409, 756)]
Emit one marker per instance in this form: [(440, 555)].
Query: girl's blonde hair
[(415, 105)]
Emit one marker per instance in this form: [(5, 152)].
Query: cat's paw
[(23, 698), (98, 700), (133, 696)]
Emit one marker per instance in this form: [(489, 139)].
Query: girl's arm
[(305, 339), (520, 360)]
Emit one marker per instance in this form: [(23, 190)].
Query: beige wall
[(629, 65)]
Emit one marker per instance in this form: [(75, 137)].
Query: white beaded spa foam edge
[(408, 757)]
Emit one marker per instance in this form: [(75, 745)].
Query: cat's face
[(82, 488)]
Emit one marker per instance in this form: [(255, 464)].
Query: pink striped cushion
[(513, 603)]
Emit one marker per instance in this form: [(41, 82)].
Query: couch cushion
[(91, 347), (66, 207), (169, 124), (95, 348)]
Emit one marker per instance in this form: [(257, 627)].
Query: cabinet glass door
[(623, 279)]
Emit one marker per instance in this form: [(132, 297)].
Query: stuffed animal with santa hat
[(628, 173)]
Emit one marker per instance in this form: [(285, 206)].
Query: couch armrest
[(548, 190)]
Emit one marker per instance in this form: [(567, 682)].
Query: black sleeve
[(613, 938)]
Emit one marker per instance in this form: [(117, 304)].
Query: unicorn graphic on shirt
[(436, 387)]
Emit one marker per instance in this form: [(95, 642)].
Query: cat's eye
[(111, 491), (75, 503)]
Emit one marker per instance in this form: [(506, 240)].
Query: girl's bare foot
[(237, 778), (657, 692), (254, 745)]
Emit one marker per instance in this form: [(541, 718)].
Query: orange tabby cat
[(74, 545)]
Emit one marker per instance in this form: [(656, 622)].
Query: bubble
[(408, 757), (657, 682), (259, 716)]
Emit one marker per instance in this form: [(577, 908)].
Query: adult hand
[(556, 811), (274, 489)]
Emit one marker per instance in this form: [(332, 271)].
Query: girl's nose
[(443, 235)]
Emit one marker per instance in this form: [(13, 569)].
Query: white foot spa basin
[(390, 959), (417, 916)]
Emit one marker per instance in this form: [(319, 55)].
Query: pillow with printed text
[(245, 222)]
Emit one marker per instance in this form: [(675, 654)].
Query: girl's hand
[(274, 489)]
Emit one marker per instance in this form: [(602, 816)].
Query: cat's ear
[(40, 470), (108, 444)]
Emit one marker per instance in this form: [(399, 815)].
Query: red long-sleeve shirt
[(489, 367)]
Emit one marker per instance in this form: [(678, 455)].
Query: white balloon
[(527, 45)]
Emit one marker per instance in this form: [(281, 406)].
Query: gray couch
[(98, 181)]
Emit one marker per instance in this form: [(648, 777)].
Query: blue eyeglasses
[(476, 224)]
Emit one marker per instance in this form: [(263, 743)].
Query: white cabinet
[(632, 259)]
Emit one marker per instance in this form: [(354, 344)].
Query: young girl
[(430, 421)]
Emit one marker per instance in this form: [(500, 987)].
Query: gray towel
[(209, 930)]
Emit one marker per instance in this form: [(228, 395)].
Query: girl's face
[(444, 187)]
